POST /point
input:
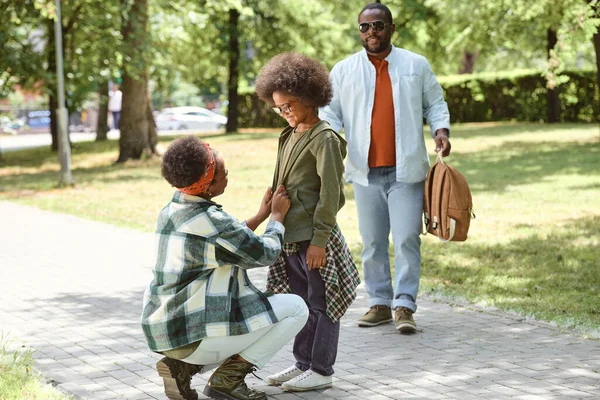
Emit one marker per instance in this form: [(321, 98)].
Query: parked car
[(12, 126), (39, 119), (176, 118)]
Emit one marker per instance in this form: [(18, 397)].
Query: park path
[(71, 289)]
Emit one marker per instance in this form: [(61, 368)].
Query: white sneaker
[(284, 376), (309, 380)]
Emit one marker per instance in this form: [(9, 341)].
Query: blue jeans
[(116, 119), (382, 206), (316, 345)]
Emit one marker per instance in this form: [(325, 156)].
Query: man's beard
[(383, 45)]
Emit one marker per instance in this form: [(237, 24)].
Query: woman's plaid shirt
[(339, 274), (200, 287)]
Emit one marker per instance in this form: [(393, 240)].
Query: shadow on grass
[(20, 184), (35, 158), (513, 163), (521, 163), (487, 129), (554, 278)]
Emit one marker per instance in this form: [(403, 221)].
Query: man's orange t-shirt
[(382, 152)]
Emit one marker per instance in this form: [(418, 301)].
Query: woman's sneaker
[(309, 380), (284, 376)]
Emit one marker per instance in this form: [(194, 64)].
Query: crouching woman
[(201, 309)]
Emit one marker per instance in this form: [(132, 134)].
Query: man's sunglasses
[(377, 26), (284, 108)]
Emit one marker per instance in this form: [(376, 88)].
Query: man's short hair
[(381, 7)]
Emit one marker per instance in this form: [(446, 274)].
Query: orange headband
[(205, 180)]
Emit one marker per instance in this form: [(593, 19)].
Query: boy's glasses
[(377, 26), (284, 108)]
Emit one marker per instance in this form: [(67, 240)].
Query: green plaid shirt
[(339, 274), (200, 287)]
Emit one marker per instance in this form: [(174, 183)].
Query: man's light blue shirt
[(416, 95)]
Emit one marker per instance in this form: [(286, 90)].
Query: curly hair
[(185, 161), (296, 75)]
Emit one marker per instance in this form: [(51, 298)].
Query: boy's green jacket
[(313, 177)]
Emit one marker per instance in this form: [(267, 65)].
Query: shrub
[(503, 96)]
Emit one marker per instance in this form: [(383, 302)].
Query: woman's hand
[(315, 257), (265, 205), (280, 204)]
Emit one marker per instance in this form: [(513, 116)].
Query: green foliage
[(18, 379), (494, 96), (254, 113), (196, 49), (21, 46), (512, 33), (90, 43), (519, 96)]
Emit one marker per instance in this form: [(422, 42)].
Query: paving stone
[(62, 301)]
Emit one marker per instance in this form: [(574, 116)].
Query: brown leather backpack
[(448, 206)]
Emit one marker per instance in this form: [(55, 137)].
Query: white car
[(177, 118)]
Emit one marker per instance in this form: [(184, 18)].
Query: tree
[(234, 60), (138, 132), (522, 34), (89, 46), (595, 13), (225, 43), (102, 124)]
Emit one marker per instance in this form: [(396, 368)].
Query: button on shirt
[(416, 95)]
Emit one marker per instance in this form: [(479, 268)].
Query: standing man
[(380, 97), (114, 105)]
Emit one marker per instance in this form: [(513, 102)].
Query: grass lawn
[(18, 379), (533, 249)]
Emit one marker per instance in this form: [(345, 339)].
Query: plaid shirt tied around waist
[(339, 274)]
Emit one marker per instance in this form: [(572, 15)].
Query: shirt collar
[(182, 198), (365, 56)]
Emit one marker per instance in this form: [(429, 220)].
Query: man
[(114, 105), (381, 95)]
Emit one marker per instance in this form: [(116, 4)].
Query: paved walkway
[(71, 289)]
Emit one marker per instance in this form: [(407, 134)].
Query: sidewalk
[(71, 289)]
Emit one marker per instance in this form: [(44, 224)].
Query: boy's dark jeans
[(315, 346)]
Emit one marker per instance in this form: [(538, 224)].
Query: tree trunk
[(51, 85), (234, 59), (596, 40), (102, 123), (135, 138), (468, 62), (53, 104), (552, 93), (133, 141), (152, 134)]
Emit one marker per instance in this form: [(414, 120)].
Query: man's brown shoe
[(376, 315), (404, 320)]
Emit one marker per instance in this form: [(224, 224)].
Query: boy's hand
[(265, 205), (315, 257)]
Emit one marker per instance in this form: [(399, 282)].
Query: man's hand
[(442, 142), (315, 257)]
